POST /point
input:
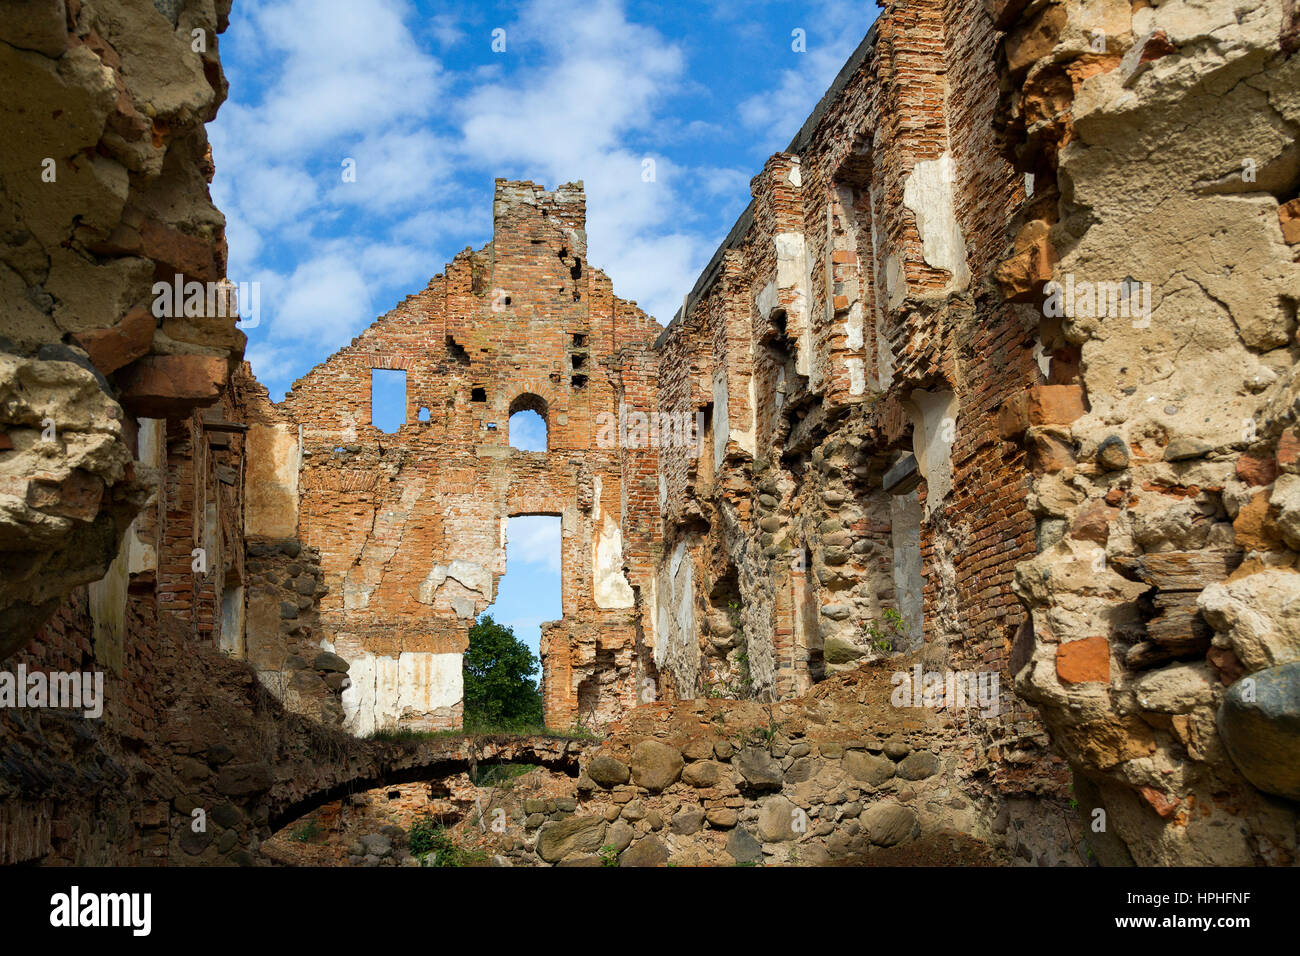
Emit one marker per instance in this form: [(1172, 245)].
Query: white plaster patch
[(895, 281), (929, 194), (857, 376), (609, 586), (429, 586), (934, 419), (721, 419), (473, 576), (766, 300), (790, 256), (674, 563), (386, 690), (662, 630), (1042, 358), (853, 327), (356, 594)]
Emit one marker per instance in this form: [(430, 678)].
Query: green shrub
[(435, 845)]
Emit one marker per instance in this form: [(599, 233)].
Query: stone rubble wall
[(836, 777), (1162, 647)]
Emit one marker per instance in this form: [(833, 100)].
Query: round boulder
[(1259, 721), (607, 772), (655, 765)]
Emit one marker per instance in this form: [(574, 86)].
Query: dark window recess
[(578, 361), (576, 271), (458, 354), (578, 381), (478, 394), (579, 339)]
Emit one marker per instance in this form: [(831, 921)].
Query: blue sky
[(529, 592), (412, 93)]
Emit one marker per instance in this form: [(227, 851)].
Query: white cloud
[(533, 540), (445, 29), (347, 67), (268, 196), (394, 169), (527, 431), (326, 298), (833, 30), (271, 362)]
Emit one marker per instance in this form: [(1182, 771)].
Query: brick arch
[(530, 402), (384, 764), (388, 360), (538, 388)]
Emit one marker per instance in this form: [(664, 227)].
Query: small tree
[(500, 690)]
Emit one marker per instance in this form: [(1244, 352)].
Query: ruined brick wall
[(411, 527), (897, 417), (1162, 647), (854, 359)]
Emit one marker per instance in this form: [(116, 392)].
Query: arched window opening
[(527, 428)]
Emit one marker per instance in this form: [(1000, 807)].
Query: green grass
[(502, 774)]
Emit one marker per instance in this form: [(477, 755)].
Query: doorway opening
[(503, 664)]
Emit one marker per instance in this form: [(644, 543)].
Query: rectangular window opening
[(387, 398)]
